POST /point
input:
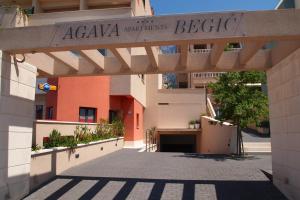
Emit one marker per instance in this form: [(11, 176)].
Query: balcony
[(95, 14), (129, 85)]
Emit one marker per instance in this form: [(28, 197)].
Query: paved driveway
[(127, 174)]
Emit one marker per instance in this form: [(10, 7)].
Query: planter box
[(47, 163)]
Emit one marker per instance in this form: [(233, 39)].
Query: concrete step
[(257, 147)]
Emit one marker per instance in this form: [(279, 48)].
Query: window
[(39, 109), (200, 46), (50, 113), (182, 84), (137, 120), (112, 115), (235, 45), (87, 115)]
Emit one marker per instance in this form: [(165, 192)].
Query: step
[(257, 147)]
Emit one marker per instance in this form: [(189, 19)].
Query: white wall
[(284, 103), (138, 89), (16, 117), (183, 105), (129, 85)]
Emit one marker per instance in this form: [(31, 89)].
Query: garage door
[(178, 143)]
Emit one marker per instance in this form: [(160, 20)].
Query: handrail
[(151, 140), (211, 108)]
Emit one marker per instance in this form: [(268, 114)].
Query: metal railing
[(151, 140), (207, 74), (210, 108), (200, 50)]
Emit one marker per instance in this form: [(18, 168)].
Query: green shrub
[(54, 139), (36, 147), (103, 128), (83, 134), (68, 141), (117, 128)]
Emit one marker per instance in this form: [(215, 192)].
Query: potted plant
[(192, 124), (197, 124)]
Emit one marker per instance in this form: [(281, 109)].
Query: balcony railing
[(200, 50), (177, 50), (207, 74)]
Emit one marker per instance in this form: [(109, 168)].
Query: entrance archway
[(267, 44)]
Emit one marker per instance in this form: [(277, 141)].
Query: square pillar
[(284, 104), (17, 93)]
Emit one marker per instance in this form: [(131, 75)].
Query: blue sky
[(162, 7)]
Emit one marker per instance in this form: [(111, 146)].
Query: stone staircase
[(257, 147)]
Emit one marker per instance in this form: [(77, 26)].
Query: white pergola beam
[(48, 65), (94, 57), (248, 51), (176, 29), (67, 58), (124, 57), (282, 50), (152, 53)]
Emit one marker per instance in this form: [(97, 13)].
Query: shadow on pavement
[(219, 157), (230, 190)]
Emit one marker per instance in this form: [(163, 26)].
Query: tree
[(240, 101)]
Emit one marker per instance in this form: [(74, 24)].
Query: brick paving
[(127, 174)]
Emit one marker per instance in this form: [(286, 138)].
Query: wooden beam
[(241, 26), (216, 52), (94, 57), (67, 58), (152, 53), (282, 50), (249, 50), (124, 57)]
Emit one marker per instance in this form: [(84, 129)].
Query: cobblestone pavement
[(127, 174)]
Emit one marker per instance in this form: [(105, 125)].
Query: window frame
[(86, 114)]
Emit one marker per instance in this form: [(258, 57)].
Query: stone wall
[(17, 93), (284, 104)]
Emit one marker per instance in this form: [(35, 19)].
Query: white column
[(17, 92), (284, 104)]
